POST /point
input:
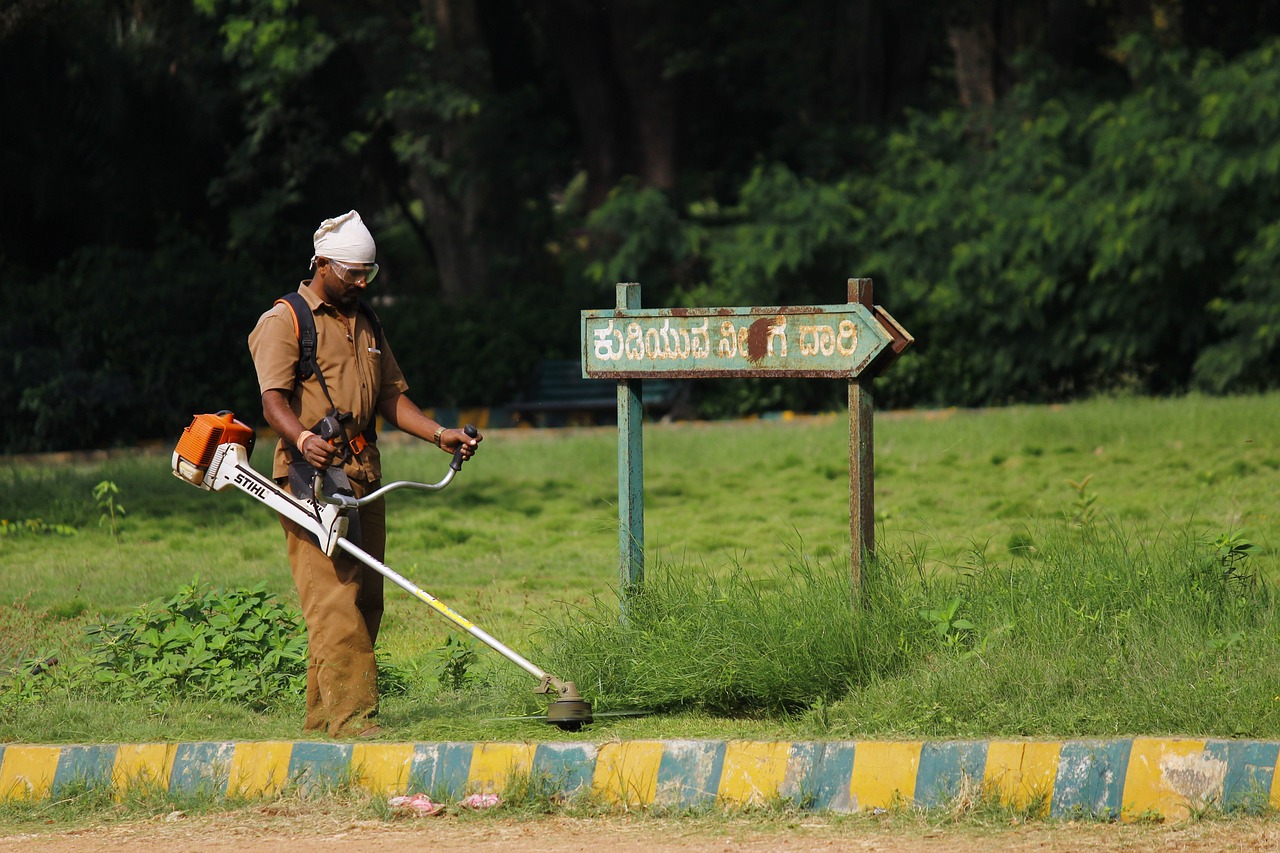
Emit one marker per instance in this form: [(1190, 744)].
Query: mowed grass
[(742, 519)]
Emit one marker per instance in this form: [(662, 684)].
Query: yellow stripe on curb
[(143, 765), (1168, 777), (1022, 773), (382, 768), (493, 765), (259, 769), (627, 773), (1275, 789), (28, 771), (753, 771), (884, 774)]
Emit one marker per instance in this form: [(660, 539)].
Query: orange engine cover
[(207, 432)]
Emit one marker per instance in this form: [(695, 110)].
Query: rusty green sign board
[(856, 341), (818, 341)]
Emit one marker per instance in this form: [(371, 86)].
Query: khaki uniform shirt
[(359, 371)]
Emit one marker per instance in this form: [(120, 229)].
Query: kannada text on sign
[(820, 341)]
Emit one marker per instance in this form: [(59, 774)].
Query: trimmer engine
[(194, 453)]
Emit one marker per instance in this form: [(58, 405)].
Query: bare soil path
[(241, 831)]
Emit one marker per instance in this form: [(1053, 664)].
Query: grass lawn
[(530, 526)]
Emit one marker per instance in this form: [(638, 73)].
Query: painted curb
[(1126, 778)]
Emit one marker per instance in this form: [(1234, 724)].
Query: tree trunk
[(452, 210), (577, 35), (450, 221), (974, 47), (641, 59)]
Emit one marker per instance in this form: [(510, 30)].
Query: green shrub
[(238, 645), (1068, 241)]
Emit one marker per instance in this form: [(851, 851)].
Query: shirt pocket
[(370, 359)]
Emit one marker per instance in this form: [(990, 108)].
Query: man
[(356, 377)]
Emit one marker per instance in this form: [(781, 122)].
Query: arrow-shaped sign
[(821, 341)]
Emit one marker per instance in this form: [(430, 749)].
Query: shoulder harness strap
[(304, 326)]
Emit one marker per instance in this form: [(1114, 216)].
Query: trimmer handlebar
[(455, 465)]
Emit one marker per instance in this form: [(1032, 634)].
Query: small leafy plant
[(455, 658), (1223, 574), (104, 495), (29, 678), (945, 622), (1233, 551), (1083, 509)]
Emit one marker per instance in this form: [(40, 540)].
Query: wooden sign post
[(855, 341)]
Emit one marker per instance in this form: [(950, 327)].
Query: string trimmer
[(213, 454)]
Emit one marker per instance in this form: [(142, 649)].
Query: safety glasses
[(352, 274)]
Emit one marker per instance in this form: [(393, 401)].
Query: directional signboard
[(855, 341), (818, 341)]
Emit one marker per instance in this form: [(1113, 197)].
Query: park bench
[(559, 396)]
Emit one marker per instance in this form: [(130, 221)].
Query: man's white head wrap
[(344, 238)]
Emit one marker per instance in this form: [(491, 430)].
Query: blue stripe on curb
[(1090, 778), (689, 773), (440, 768), (319, 764), (818, 775), (946, 767), (87, 766), (201, 767), (569, 766), (1249, 771)]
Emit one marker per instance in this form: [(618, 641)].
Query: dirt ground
[(293, 834)]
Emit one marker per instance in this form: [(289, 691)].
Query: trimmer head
[(569, 711), (569, 716)]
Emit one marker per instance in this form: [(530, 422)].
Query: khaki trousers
[(342, 604)]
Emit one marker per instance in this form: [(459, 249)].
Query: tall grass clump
[(732, 645), (1083, 629), (1094, 631)]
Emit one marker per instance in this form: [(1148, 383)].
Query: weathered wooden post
[(862, 500), (630, 466), (862, 504), (856, 341)]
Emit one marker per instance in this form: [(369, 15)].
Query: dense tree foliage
[(1056, 197)]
